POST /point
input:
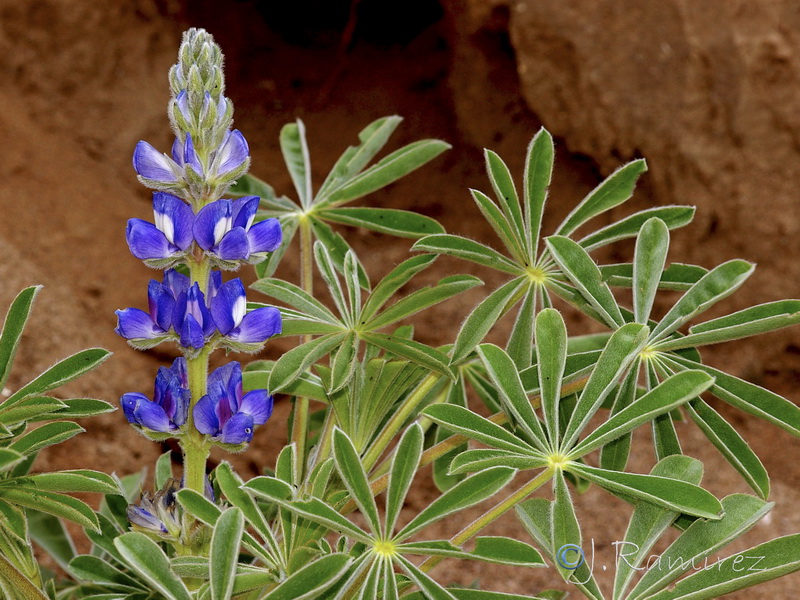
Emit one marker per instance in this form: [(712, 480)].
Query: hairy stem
[(398, 419), (194, 445), (492, 515), (300, 421)]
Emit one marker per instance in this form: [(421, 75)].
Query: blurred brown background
[(706, 91)]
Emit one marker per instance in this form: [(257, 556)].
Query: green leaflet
[(669, 493), (650, 257), (389, 169), (700, 540), (149, 561), (400, 223), (16, 317), (62, 372), (348, 463), (466, 249), (468, 492), (537, 176), (295, 153), (405, 463), (224, 554), (613, 191)]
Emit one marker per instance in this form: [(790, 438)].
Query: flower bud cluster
[(195, 231), (206, 156)]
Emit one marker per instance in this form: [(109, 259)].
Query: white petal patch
[(222, 227), (166, 226), (239, 310)]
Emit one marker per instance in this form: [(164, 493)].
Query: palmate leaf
[(701, 540), (356, 323), (349, 179)]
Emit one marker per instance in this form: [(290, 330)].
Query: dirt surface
[(82, 82)]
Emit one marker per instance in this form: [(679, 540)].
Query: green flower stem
[(300, 421), (194, 445), (325, 439), (398, 419), (492, 515)]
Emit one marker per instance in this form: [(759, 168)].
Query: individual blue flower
[(152, 327), (170, 236), (168, 410), (226, 229), (152, 165), (227, 416), (158, 513), (191, 318), (231, 157), (229, 310)]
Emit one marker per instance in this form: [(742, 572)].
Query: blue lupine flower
[(224, 414), (171, 235), (229, 310), (225, 228), (170, 405), (159, 513), (231, 155), (136, 324), (191, 318), (151, 164)]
